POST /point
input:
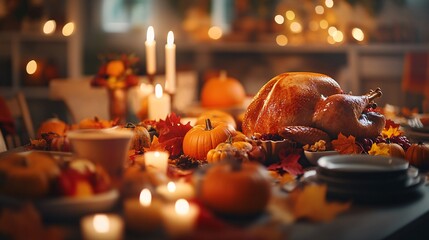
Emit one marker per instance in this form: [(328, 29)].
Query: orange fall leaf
[(310, 203), (345, 145)]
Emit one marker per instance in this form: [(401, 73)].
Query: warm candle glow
[(170, 38), (358, 34), (296, 27), (215, 32), (101, 223), (329, 3), (319, 9), (171, 187), (279, 19), (158, 94), (182, 207), (281, 40), (332, 30), (145, 197), (150, 34), (31, 67), (49, 26), (338, 36), (68, 29), (323, 24), (290, 15)]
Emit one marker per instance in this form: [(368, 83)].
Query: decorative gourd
[(219, 155), (141, 138), (395, 150), (202, 138), (233, 188), (215, 117), (222, 92), (229, 150), (52, 125), (418, 155)]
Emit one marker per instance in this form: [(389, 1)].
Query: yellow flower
[(115, 68)]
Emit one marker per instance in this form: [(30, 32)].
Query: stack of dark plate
[(368, 178)]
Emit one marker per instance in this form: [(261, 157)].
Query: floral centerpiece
[(117, 74)]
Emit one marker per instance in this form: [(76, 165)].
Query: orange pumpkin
[(202, 138), (216, 116), (418, 155), (395, 150), (234, 188), (222, 92), (94, 123), (52, 125)]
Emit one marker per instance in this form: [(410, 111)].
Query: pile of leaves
[(170, 135)]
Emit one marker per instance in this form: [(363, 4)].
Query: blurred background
[(363, 44)]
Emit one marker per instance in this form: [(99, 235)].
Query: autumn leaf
[(288, 162), (282, 178), (391, 132), (381, 150), (391, 123), (171, 133), (310, 203), (155, 145), (346, 145)]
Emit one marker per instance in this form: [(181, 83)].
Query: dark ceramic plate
[(361, 166)]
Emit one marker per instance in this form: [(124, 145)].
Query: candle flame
[(68, 29), (31, 67), (170, 38), (182, 206), (101, 223), (145, 197), (49, 26), (150, 35), (158, 94), (358, 34), (171, 187)]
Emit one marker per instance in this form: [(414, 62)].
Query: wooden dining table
[(404, 218)]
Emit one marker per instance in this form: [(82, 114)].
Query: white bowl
[(107, 147), (313, 157)]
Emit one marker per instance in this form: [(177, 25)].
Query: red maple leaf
[(288, 162), (171, 133)]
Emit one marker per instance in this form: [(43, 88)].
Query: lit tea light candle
[(150, 51), (156, 161), (159, 105), (173, 191), (170, 64), (143, 214), (179, 218), (102, 226)]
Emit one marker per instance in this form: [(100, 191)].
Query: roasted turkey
[(304, 106)]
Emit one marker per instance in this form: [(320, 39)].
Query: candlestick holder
[(172, 95)]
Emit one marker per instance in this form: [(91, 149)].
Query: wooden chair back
[(21, 113)]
